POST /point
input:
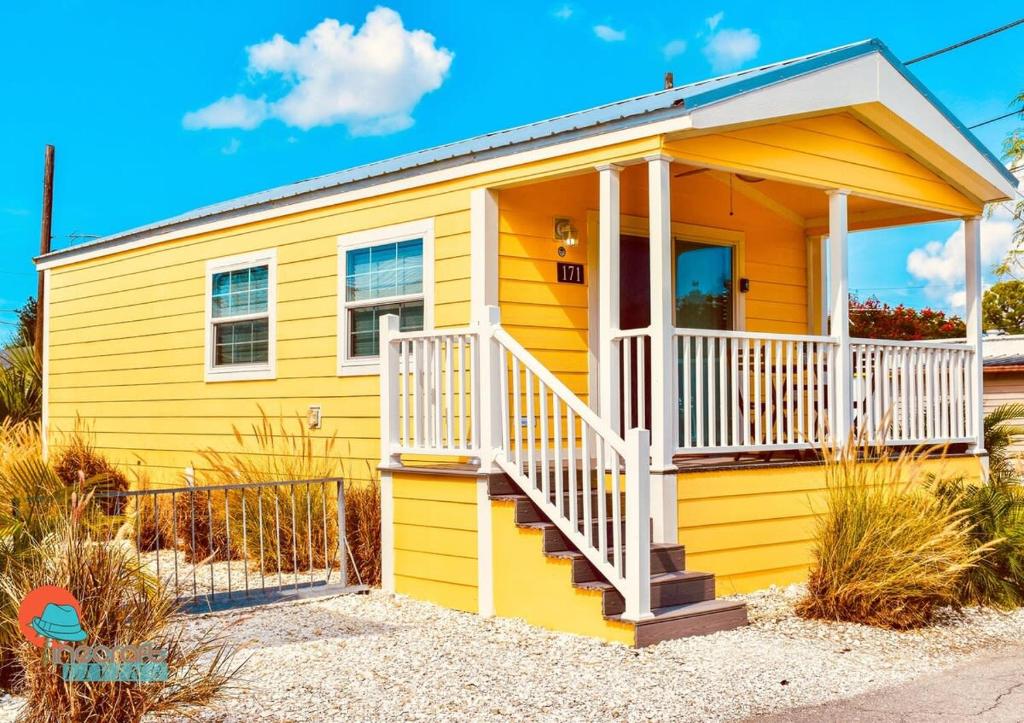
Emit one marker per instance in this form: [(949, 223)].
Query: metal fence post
[(342, 541)]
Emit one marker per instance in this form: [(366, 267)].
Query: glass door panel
[(704, 300)]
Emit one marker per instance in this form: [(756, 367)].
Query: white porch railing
[(569, 461), (741, 391), (633, 348), (433, 393), (912, 392)]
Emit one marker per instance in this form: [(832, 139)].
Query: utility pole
[(44, 248)]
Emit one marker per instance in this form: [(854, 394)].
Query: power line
[(997, 118), (962, 43)]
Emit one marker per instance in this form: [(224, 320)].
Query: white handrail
[(614, 537), (591, 483), (584, 412)]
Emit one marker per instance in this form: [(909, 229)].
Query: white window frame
[(422, 229), (243, 372)]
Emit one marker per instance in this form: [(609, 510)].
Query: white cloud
[(564, 12), (609, 34), (728, 49), (940, 264), (236, 111), (368, 79), (673, 48), (231, 147), (715, 19)]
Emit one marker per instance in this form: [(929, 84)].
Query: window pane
[(364, 325), (241, 342), (240, 292), (391, 269), (221, 283)]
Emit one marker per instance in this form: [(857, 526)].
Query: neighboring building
[(673, 241), (1004, 374)]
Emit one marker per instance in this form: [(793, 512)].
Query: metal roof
[(648, 108), (1007, 360)]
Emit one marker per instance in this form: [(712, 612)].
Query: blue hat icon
[(59, 622)]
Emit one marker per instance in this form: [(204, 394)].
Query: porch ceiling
[(802, 204)]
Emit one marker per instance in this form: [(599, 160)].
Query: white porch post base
[(484, 550)]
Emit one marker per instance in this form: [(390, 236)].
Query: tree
[(26, 333), (873, 319), (1002, 307)]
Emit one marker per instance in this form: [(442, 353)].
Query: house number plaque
[(570, 273)]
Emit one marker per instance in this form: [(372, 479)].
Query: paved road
[(989, 690)]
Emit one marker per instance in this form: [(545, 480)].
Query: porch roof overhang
[(863, 76)]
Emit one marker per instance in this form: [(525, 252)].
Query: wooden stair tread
[(662, 578)]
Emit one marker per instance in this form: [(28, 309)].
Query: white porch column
[(839, 313), (972, 257), (664, 410), (483, 244), (608, 292)]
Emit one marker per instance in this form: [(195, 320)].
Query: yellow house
[(573, 351)]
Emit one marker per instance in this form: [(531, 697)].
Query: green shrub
[(886, 553), (993, 515), (1001, 430)]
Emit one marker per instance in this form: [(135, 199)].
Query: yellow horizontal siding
[(833, 151), (755, 527), (436, 538)]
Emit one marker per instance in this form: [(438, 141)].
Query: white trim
[(341, 196), (387, 532), (839, 310), (237, 372), (608, 269), (44, 372), (857, 82), (483, 244), (484, 550), (975, 336), (422, 229)]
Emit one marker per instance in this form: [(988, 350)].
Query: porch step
[(680, 621), (668, 589), (664, 559), (527, 511), (682, 602)]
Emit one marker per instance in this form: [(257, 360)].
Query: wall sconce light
[(565, 232)]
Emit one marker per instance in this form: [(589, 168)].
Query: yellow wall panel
[(538, 589), (754, 527), (435, 538), (835, 151)]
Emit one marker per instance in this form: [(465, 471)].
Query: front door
[(704, 299)]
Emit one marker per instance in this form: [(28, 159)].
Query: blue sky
[(134, 96)]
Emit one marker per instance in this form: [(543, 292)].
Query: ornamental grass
[(886, 552), (120, 605), (285, 528)]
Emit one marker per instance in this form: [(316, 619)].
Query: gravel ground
[(380, 657)]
